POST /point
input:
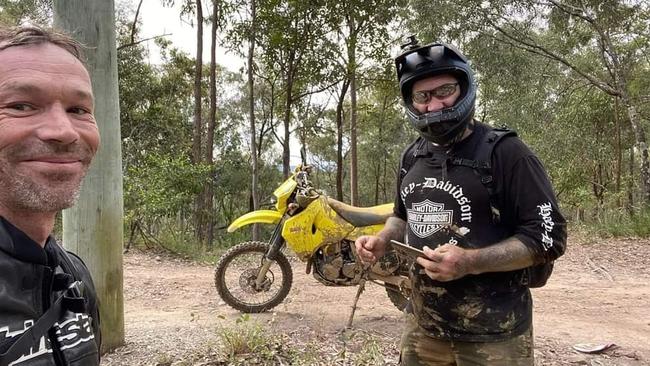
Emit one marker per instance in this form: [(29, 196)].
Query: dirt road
[(599, 293)]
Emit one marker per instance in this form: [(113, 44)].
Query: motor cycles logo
[(70, 334), (425, 218)]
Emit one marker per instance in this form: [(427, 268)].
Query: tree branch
[(142, 40), (322, 89), (135, 22), (542, 51), (572, 10)]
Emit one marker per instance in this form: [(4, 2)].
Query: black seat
[(362, 216)]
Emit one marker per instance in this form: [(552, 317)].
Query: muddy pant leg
[(418, 349), (517, 351)]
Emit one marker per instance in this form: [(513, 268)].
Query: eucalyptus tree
[(208, 192), (197, 136), (325, 149), (160, 182), (383, 133), (362, 28), (291, 36), (600, 43), (340, 100), (16, 12), (241, 38), (251, 113), (217, 20)]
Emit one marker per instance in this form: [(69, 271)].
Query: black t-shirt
[(435, 193)]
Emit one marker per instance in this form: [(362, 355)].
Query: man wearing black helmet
[(482, 222)]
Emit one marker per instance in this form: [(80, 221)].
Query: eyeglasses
[(441, 92)]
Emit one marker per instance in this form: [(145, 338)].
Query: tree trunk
[(630, 185), (93, 228), (352, 67), (339, 140), (612, 61), (286, 153), (619, 154), (208, 193), (381, 172), (251, 113), (642, 146), (198, 75), (199, 215), (377, 164), (385, 178)]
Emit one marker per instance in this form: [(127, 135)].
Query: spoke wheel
[(237, 270)]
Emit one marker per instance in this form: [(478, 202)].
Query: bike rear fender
[(256, 217)]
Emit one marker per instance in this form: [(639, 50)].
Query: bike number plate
[(405, 250)]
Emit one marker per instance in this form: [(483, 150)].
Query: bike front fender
[(256, 217)]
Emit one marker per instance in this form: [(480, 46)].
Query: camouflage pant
[(418, 349)]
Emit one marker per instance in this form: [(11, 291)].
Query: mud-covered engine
[(335, 264)]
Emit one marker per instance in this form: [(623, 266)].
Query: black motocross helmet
[(416, 62)]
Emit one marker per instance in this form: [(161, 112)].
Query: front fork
[(276, 243)]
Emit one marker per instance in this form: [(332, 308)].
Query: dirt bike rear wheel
[(235, 275), (396, 297)]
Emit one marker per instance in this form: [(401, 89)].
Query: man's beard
[(51, 193), (29, 195)]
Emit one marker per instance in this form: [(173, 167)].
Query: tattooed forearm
[(394, 229), (508, 255)]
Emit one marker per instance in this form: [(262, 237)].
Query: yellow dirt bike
[(254, 276)]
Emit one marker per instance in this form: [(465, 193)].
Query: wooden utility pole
[(93, 228)]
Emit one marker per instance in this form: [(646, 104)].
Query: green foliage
[(617, 223), (17, 12), (161, 184), (541, 70), (305, 50), (383, 133), (248, 340)]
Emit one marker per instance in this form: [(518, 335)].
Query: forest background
[(203, 145)]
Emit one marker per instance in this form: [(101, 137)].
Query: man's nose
[(57, 126), (436, 104)]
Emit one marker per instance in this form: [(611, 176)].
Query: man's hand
[(447, 262), (370, 248)]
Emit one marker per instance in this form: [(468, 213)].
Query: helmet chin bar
[(443, 127)]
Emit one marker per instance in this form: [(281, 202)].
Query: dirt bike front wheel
[(236, 273)]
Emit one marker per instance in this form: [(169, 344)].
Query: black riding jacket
[(31, 280)]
